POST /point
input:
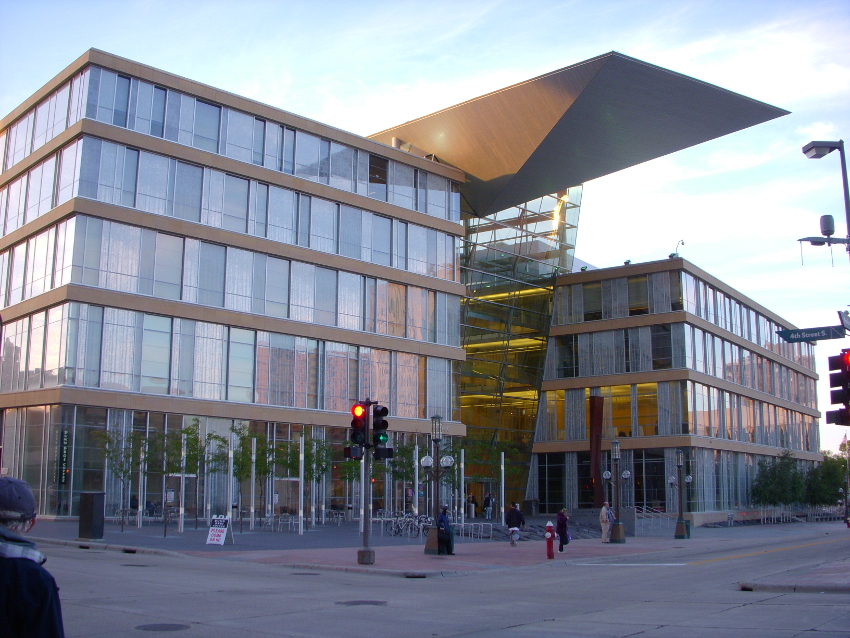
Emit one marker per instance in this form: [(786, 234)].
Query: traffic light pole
[(366, 555)]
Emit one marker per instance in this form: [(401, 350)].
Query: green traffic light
[(380, 438)]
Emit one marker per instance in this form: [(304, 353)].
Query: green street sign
[(812, 334)]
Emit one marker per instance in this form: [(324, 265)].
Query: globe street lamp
[(817, 150), (681, 529), (436, 473), (617, 533)]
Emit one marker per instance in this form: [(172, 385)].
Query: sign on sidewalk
[(218, 530)]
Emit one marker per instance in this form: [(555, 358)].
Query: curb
[(103, 546), (796, 589)]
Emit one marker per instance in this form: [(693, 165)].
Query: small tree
[(824, 481), (121, 453), (778, 481), (164, 455)]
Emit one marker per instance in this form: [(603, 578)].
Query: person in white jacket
[(606, 518)]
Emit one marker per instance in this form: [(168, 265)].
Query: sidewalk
[(334, 548)]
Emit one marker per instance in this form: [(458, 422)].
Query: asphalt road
[(683, 590)]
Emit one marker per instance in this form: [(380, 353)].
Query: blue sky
[(738, 202)]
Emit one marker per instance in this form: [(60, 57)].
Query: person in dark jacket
[(562, 529), (29, 597), (514, 520), (444, 533)]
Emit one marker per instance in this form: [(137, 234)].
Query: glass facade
[(123, 176), (84, 345), (120, 100), (114, 256), (509, 262)]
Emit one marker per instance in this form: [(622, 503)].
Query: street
[(647, 587)]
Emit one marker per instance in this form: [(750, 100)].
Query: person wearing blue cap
[(29, 597)]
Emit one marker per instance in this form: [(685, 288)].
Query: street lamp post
[(617, 533), (435, 468), (681, 530), (817, 150)]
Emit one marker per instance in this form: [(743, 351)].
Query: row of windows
[(90, 251), (668, 292), (673, 408), (153, 183), (92, 346), (720, 358), (61, 109), (678, 345), (127, 102)]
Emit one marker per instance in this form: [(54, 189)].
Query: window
[(378, 170), (307, 156), (568, 361), (211, 275), (187, 192), (156, 355), (676, 300), (207, 122), (397, 310), (259, 142), (235, 209), (350, 232), (277, 287), (168, 266), (662, 349), (326, 295), (381, 240), (122, 101), (261, 204), (240, 366), (638, 296), (592, 301), (158, 112), (288, 151)]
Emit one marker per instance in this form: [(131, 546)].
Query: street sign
[(844, 318), (218, 530), (812, 334)]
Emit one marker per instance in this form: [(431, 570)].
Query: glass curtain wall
[(509, 262)]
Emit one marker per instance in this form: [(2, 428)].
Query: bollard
[(550, 540)]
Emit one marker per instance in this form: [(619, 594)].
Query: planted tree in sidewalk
[(121, 451), (204, 455), (163, 455), (317, 463), (778, 481), (824, 481)]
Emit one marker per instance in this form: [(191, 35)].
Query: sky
[(739, 203)]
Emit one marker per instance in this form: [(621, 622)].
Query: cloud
[(817, 131)]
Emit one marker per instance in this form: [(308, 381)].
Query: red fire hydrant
[(550, 540)]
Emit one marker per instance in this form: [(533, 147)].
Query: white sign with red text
[(218, 530)]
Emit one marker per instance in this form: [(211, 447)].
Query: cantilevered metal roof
[(573, 125)]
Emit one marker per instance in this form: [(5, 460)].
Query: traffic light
[(380, 436), (839, 379), (359, 424)]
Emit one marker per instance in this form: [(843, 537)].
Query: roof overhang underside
[(573, 125)]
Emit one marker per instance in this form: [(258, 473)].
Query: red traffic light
[(358, 411)]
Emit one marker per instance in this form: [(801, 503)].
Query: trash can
[(91, 515)]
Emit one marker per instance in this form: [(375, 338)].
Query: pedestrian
[(606, 519), (29, 597), (514, 520), (562, 529), (488, 506), (444, 533)]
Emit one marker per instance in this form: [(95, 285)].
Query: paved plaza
[(797, 578)]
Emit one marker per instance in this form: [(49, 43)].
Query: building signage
[(812, 334), (218, 530)]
